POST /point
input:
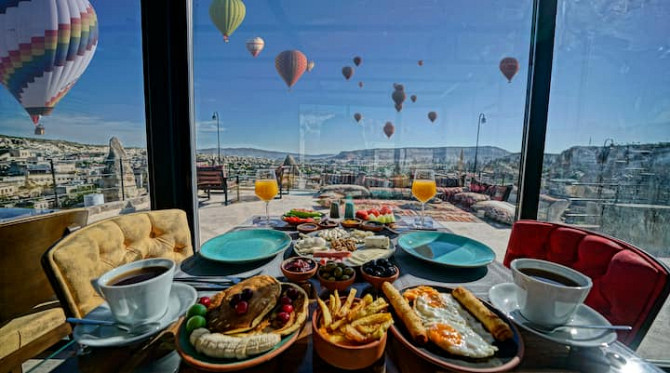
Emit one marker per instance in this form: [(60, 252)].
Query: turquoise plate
[(245, 245), (446, 249)]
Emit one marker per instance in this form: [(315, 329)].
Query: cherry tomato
[(241, 307), (205, 301), (287, 308), (283, 317), (285, 300)]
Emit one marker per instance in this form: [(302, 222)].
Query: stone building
[(118, 180)]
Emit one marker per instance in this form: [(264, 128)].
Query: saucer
[(181, 298), (504, 298)]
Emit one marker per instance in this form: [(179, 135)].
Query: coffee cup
[(137, 292), (549, 293)]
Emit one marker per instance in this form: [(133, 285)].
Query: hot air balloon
[(389, 129), (398, 96), (432, 116), (255, 45), (509, 66), (358, 117), (45, 47), (413, 98), (420, 62), (310, 66), (291, 65), (227, 15), (348, 72), (357, 61), (360, 84)]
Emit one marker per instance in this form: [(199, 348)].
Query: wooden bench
[(213, 178)]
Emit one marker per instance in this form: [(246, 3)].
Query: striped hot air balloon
[(227, 15), (291, 65), (255, 45), (45, 46)]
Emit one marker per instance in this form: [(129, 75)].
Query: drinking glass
[(423, 189), (266, 189)]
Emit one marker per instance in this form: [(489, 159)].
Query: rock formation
[(118, 169)]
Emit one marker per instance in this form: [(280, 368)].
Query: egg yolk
[(443, 334), (411, 294)]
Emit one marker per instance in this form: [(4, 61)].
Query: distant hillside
[(449, 154), (53, 147), (258, 153)]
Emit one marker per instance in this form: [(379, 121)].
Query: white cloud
[(208, 126)]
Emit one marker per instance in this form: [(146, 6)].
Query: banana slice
[(228, 347)]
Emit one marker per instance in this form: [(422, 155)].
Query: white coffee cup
[(141, 302), (550, 293)]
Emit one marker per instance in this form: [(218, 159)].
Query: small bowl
[(340, 285), (376, 281), (343, 356), (307, 227), (351, 223), (373, 226), (294, 276), (327, 224)]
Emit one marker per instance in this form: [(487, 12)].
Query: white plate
[(504, 298), (388, 254), (181, 298)]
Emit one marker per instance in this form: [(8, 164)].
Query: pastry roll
[(494, 324), (406, 313)]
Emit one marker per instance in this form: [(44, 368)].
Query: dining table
[(158, 354)]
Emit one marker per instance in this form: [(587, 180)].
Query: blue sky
[(611, 76)]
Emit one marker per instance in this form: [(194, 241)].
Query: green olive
[(342, 265), (345, 277), (349, 271), (332, 279), (337, 273), (330, 266)]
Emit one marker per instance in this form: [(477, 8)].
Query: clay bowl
[(345, 356), (376, 281), (327, 224), (307, 227), (351, 223), (340, 285), (295, 276), (372, 226)]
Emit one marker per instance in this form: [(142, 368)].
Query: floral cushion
[(468, 199), (499, 211)]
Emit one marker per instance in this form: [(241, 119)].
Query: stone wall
[(645, 226)]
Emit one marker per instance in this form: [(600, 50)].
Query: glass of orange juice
[(424, 188), (266, 189)]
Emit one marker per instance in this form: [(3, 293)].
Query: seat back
[(211, 176), (22, 243), (629, 285), (86, 254)]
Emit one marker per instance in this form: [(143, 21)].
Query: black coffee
[(549, 277), (136, 275)]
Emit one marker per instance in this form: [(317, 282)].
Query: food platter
[(244, 246), (509, 354), (446, 249), (358, 256)]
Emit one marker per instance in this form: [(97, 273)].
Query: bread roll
[(494, 324)]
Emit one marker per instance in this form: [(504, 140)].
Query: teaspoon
[(130, 329)]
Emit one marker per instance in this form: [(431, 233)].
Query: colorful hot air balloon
[(357, 61), (509, 66), (45, 46), (348, 72), (360, 84), (420, 62), (358, 117), (227, 15), (398, 96), (413, 98), (310, 66), (389, 129), (432, 116), (255, 45), (291, 65)]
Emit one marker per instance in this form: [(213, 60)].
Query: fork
[(216, 279)]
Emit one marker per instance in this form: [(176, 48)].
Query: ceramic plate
[(504, 297), (245, 245), (181, 298), (509, 354), (200, 361), (446, 249), (360, 247)]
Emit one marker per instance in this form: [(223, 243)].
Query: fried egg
[(453, 328)]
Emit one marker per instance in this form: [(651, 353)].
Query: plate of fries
[(350, 332)]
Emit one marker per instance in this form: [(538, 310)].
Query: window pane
[(326, 132), (83, 89), (608, 130)]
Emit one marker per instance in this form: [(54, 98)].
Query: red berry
[(241, 307), (283, 317), (205, 301), (292, 293), (287, 308), (285, 300)]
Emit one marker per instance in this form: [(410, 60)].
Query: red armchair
[(629, 285)]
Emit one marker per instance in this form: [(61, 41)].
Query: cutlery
[(216, 279), (131, 329), (207, 287)]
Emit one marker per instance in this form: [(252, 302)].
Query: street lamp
[(480, 120), (218, 135)]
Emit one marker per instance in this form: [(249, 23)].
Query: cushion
[(22, 330), (91, 251), (499, 211), (468, 199), (349, 190)]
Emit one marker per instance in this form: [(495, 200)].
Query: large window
[(72, 128), (460, 115)]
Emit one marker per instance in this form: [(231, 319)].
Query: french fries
[(351, 323)]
